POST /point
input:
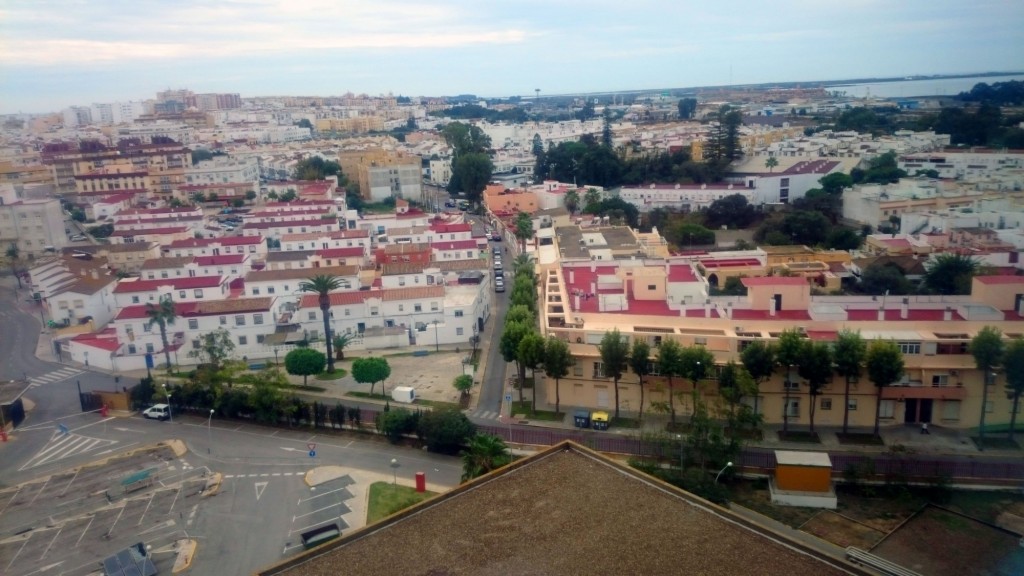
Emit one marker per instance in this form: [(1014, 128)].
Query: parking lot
[(68, 522)]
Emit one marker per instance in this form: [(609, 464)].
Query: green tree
[(689, 234), (537, 147), (316, 168), (884, 363), (340, 342), (530, 353), (695, 363), (988, 348), (511, 336), (214, 348), (371, 370), (950, 273), (445, 430), (267, 395), (463, 383), (669, 360), (288, 196), (771, 163), (470, 174), (521, 313), (614, 348), (322, 285), (759, 359), (465, 138), (484, 454), (723, 145), (250, 195), (639, 362), (606, 131), (788, 353), (13, 256), (842, 238), (524, 292), (834, 183), (557, 361), (687, 108), (161, 315), (523, 230), (849, 350), (1013, 366), (395, 424), (304, 362), (877, 279), (734, 384), (816, 368), (733, 211), (572, 201), (591, 199)]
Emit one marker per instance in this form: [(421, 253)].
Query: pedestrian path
[(65, 445), (53, 376)]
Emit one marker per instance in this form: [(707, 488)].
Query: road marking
[(63, 446), (290, 532), (226, 476), (319, 495), (50, 545), (84, 530), (260, 487), (53, 376), (276, 474), (290, 449)]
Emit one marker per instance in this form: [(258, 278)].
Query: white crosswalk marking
[(54, 376), (63, 446), (486, 415)]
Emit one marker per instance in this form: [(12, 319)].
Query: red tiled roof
[(774, 281), (454, 245), (442, 228), (292, 223), (341, 252), (151, 231), (992, 280), (184, 283), (226, 241), (207, 308), (102, 340), (219, 260)]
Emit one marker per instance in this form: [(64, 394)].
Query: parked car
[(78, 238), (499, 284), (157, 412)]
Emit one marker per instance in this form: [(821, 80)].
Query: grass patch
[(526, 408), (386, 499), (623, 422), (368, 396), (301, 388), (860, 439), (803, 436), (996, 443), (338, 374), (437, 403)]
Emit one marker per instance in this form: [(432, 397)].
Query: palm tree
[(849, 351), (12, 258), (162, 314), (323, 285), (523, 230), (771, 163), (572, 201), (340, 342), (484, 453)]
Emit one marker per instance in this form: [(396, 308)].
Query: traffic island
[(186, 552)]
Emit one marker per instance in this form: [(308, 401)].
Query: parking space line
[(290, 532), (65, 490), (150, 503), (84, 530), (11, 499), (173, 502), (41, 488), (164, 524), (328, 507), (48, 546), (16, 554), (319, 495), (287, 548), (125, 505)]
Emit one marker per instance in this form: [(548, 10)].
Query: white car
[(157, 412), (78, 238)]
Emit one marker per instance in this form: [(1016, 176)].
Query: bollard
[(3, 435), (103, 411), (421, 482)]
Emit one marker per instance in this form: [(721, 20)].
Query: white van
[(158, 412)]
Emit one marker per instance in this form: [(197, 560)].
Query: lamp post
[(86, 353), (727, 464), (394, 473), (209, 420), (437, 346), (170, 416)]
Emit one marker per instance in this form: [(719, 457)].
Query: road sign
[(508, 397), (312, 453), (311, 446)]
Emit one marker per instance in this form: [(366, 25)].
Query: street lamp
[(170, 417), (727, 464), (394, 472), (437, 346)]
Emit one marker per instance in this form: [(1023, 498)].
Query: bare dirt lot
[(925, 544), (842, 530)]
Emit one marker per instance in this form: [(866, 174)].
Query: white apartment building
[(180, 133), (874, 204), (87, 297), (395, 180), (254, 246), (134, 291), (34, 226), (963, 165), (336, 239), (285, 283), (225, 171)]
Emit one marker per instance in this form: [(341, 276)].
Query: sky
[(58, 53)]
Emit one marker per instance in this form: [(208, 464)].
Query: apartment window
[(257, 318), (348, 312), (940, 380), (260, 338), (223, 320), (147, 327), (988, 406), (239, 320), (458, 313), (255, 291), (193, 324), (181, 294), (163, 274), (887, 409), (700, 341), (132, 349), (243, 340), (374, 311), (270, 289), (311, 316), (599, 370), (652, 287), (950, 409), (417, 308), (135, 299), (458, 331), (910, 347), (63, 305), (577, 369), (433, 306), (652, 369), (792, 385), (793, 408), (149, 348), (826, 403), (195, 344), (852, 405)]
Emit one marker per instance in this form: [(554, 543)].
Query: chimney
[(947, 314), (881, 314), (905, 308)]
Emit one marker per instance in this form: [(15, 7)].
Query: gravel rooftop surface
[(562, 512)]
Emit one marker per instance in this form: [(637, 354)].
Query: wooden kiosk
[(803, 479)]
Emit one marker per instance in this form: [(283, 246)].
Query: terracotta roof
[(409, 248), (225, 241), (207, 308), (392, 295), (151, 231), (341, 252), (166, 262), (179, 283), (299, 273), (774, 281), (88, 285), (220, 259), (289, 255)]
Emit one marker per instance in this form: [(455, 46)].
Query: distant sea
[(908, 88)]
